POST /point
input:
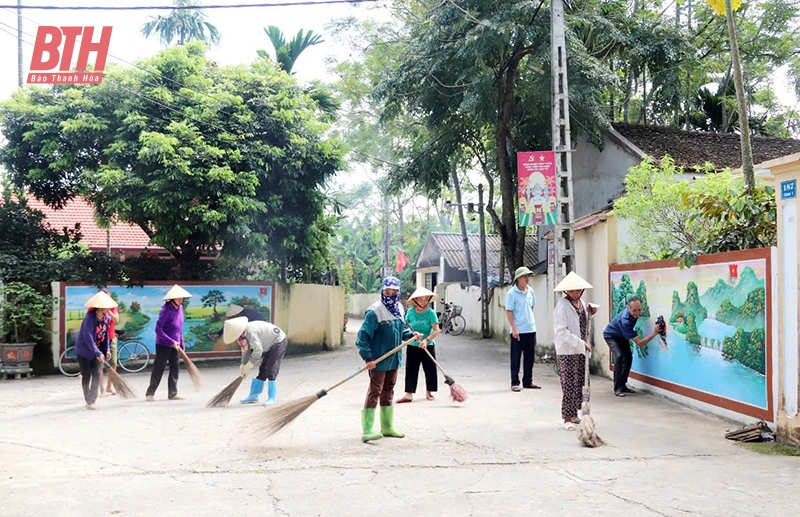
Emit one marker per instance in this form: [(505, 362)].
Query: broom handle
[(185, 357), (587, 354), (364, 368)]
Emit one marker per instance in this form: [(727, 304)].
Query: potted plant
[(24, 314)]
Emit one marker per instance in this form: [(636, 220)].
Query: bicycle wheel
[(68, 362), (457, 325), (445, 325), (133, 357)]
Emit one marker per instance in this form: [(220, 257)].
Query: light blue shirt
[(521, 305)]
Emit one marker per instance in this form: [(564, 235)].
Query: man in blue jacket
[(618, 335), (383, 329)]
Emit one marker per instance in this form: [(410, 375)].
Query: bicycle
[(132, 356), (452, 321)]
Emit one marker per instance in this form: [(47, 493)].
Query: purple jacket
[(169, 327), (86, 340)]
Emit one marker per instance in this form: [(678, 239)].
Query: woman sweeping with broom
[(169, 336), (92, 338), (383, 329), (571, 322), (422, 319), (260, 341)]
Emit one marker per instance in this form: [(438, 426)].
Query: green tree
[(212, 299), (692, 336), (287, 52), (184, 23), (641, 292), (240, 176)]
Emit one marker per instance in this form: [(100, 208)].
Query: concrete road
[(500, 453)]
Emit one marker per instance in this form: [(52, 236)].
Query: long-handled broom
[(123, 388), (457, 392), (275, 418), (586, 433), (194, 373), (223, 398)]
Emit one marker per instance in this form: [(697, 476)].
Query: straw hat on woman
[(91, 338), (421, 318), (571, 323), (169, 335)]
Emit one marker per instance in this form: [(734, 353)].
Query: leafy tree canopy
[(201, 157)]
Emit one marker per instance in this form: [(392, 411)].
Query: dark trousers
[(623, 358), (164, 354), (271, 361), (417, 357), (90, 378), (381, 388), (525, 349)]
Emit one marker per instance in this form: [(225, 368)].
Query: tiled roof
[(690, 148), (451, 245), (124, 237)]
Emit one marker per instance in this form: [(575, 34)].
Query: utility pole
[(464, 237), (19, 43), (564, 235), (484, 269)]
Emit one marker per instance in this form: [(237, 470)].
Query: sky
[(241, 30)]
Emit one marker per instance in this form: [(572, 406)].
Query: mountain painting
[(717, 339)]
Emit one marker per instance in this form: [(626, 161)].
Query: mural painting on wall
[(204, 312), (717, 326)]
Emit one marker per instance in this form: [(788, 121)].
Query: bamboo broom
[(194, 373), (275, 418), (123, 388)]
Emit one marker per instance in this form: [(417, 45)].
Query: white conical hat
[(177, 292), (573, 282), (233, 310), (422, 292), (233, 329), (101, 301)]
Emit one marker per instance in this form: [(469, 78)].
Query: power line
[(181, 7)]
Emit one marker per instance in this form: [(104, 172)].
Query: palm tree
[(287, 52), (184, 23)]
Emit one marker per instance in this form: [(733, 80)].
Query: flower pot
[(14, 358)]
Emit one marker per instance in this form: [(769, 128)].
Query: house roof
[(124, 237), (691, 148), (587, 221), (451, 247)]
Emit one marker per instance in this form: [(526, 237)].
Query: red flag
[(402, 261), (733, 269)]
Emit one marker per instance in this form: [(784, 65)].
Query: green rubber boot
[(367, 419), (387, 423)]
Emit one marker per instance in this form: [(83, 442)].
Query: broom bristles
[(194, 373), (123, 388), (586, 434), (224, 397), (275, 418), (458, 393)]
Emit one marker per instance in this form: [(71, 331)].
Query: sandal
[(576, 420), (533, 387), (568, 426), (516, 388), (403, 400), (620, 394), (429, 396)]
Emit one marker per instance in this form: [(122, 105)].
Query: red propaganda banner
[(536, 173)]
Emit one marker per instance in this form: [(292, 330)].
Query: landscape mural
[(204, 312), (716, 315)]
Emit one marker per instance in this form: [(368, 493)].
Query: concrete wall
[(311, 315), (356, 304), (598, 175), (788, 301)]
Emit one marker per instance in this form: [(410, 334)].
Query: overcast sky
[(241, 30)]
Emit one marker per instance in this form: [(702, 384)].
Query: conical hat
[(233, 310), (177, 292), (573, 282), (421, 292), (233, 329), (101, 301)]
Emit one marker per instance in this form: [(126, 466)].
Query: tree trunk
[(464, 237), (744, 124), (505, 106), (643, 110)]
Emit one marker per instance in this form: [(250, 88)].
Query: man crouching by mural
[(259, 341), (383, 329), (618, 334)]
